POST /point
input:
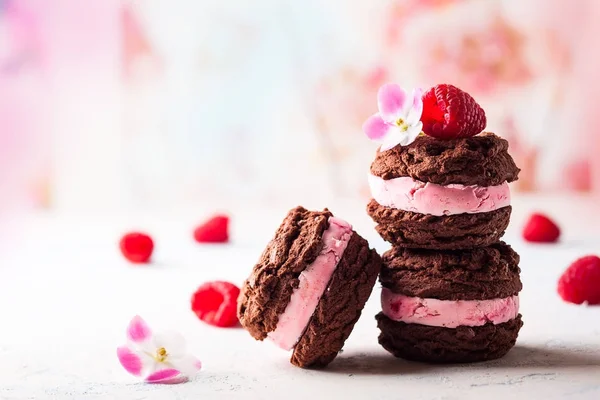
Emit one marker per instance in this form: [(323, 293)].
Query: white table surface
[(66, 296)]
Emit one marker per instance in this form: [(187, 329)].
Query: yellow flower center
[(161, 355), (402, 124)]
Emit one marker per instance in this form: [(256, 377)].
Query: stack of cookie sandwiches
[(442, 199)]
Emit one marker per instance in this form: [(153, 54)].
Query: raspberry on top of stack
[(441, 198)]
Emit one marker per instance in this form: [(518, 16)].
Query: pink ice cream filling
[(313, 283), (448, 313), (408, 194)]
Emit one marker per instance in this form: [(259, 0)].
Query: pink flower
[(159, 358), (398, 120)]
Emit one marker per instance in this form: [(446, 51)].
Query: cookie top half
[(481, 160), (484, 273), (267, 292)]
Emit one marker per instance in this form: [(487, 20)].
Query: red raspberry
[(216, 303), (450, 113), (136, 247), (581, 281), (215, 230), (541, 229)]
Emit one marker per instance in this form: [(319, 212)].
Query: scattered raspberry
[(216, 303), (450, 113), (136, 247), (215, 230), (541, 229), (581, 281)]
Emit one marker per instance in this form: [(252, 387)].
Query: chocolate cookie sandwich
[(446, 190), (450, 306), (309, 287)]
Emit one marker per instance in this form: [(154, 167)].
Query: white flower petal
[(411, 134), (149, 365), (393, 139), (171, 341), (387, 146), (415, 108), (146, 346), (187, 364)]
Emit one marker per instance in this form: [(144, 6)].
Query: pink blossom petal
[(187, 364), (130, 361), (162, 375), (413, 115), (376, 128), (176, 380), (138, 330), (391, 100)]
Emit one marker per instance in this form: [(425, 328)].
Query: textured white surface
[(66, 296)]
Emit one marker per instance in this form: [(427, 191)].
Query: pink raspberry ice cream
[(313, 282), (407, 194), (448, 313)]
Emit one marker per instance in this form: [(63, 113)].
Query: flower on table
[(157, 358), (398, 121)]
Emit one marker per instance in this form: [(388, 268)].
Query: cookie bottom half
[(462, 231), (434, 344)]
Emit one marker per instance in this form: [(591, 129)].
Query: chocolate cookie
[(481, 160), (309, 287), (461, 231), (479, 274), (434, 344)]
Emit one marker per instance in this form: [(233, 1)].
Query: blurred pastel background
[(154, 105), (151, 115)]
